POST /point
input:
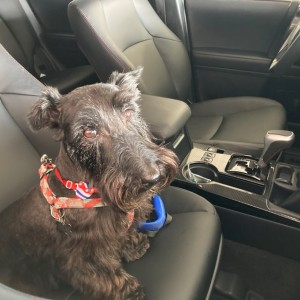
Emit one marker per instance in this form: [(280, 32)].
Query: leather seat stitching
[(153, 38), (218, 129), (136, 44), (170, 73), (241, 111), (251, 110)]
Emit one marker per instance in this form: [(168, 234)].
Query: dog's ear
[(129, 80), (128, 84), (45, 112)]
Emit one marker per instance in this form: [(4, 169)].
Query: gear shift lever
[(275, 141)]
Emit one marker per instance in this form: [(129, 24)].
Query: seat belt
[(43, 60), (160, 216)]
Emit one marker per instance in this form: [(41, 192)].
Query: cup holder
[(200, 173)]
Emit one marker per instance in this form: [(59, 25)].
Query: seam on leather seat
[(241, 111), (218, 129), (145, 27), (212, 212), (170, 73), (164, 38), (114, 54), (202, 138), (18, 94), (136, 44), (224, 118), (102, 42), (251, 110), (153, 38)]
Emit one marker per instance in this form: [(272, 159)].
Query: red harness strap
[(81, 188), (59, 203)]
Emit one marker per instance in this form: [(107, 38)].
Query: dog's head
[(103, 134)]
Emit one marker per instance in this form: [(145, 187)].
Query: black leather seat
[(183, 258), (20, 40), (123, 34)]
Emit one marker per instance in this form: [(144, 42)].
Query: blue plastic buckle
[(161, 215)]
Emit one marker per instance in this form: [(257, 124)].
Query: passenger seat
[(20, 40), (235, 123), (183, 259)]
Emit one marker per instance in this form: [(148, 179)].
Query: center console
[(262, 183), (257, 198), (214, 166), (227, 178)]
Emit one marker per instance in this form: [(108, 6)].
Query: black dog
[(81, 221)]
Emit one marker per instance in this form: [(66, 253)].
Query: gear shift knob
[(275, 141)]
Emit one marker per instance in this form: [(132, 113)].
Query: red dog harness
[(81, 189)]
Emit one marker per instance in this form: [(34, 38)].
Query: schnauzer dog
[(78, 225)]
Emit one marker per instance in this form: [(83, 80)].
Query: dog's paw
[(137, 294), (132, 289), (136, 246)]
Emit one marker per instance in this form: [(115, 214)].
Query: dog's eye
[(90, 133)]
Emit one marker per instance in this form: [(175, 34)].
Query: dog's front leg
[(135, 246), (105, 280)]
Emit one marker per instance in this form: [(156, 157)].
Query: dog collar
[(81, 188), (57, 204)]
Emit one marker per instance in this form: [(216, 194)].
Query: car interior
[(220, 84)]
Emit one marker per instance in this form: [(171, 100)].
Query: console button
[(212, 149), (215, 150), (206, 159), (209, 154)]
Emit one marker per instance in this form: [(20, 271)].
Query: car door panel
[(245, 26), (233, 43)]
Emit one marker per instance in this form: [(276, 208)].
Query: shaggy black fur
[(104, 142)]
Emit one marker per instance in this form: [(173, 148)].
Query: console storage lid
[(165, 115)]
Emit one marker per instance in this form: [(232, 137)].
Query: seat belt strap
[(152, 233)]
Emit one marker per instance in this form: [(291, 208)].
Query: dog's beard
[(116, 172), (130, 193)]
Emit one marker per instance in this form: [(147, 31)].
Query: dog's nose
[(155, 178), (152, 177)]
